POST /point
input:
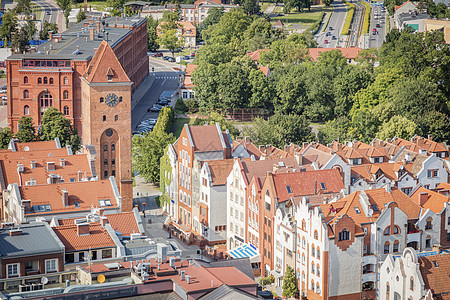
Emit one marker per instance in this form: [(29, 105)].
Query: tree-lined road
[(336, 22), (377, 16)]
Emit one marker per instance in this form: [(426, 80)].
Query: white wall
[(432, 163)]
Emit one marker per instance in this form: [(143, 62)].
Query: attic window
[(375, 207), (435, 263), (357, 210), (322, 185), (109, 77), (281, 164), (289, 190), (109, 74), (77, 204), (72, 179), (105, 202)]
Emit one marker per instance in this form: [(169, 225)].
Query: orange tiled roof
[(33, 146), (311, 154), (206, 138), (124, 222), (73, 164), (86, 193), (435, 201), (398, 6), (379, 197), (436, 278), (349, 53), (307, 183), (259, 168), (251, 148), (368, 171), (255, 55), (98, 237), (265, 70), (220, 169)]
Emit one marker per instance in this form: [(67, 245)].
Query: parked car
[(330, 28), (171, 59), (150, 121), (157, 54), (155, 108), (163, 102), (378, 25), (265, 294), (186, 57), (5, 97), (166, 57), (193, 54), (328, 34), (178, 50), (325, 42), (48, 13)]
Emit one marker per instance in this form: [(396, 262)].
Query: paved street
[(166, 79), (378, 39), (336, 22), (51, 13)]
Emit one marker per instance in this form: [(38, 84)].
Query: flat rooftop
[(75, 43)]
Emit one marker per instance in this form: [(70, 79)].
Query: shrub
[(267, 280), (191, 105), (366, 23), (180, 106), (348, 18)]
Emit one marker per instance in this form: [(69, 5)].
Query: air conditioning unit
[(24, 288)]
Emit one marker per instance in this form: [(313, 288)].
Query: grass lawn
[(264, 6), (178, 125), (98, 5), (306, 18)]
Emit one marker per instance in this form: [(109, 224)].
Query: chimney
[(33, 164), (188, 279), (14, 232), (19, 168), (83, 229), (65, 197), (298, 159), (423, 197), (182, 274), (51, 166), (100, 211), (91, 33), (62, 162), (103, 221), (80, 175), (212, 283), (408, 157), (121, 15), (117, 18), (50, 35)]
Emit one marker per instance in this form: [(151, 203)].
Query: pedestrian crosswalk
[(166, 77)]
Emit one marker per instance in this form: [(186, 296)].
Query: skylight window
[(357, 210), (289, 190), (435, 263), (105, 202), (77, 204), (72, 179), (322, 185), (281, 164), (375, 207)]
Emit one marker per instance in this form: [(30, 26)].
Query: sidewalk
[(142, 89)]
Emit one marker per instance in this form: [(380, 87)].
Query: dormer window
[(344, 235), (289, 190), (109, 77), (110, 74)]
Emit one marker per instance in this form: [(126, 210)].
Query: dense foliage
[(405, 94), (54, 124)]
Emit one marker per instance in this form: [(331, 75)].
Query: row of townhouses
[(332, 212)]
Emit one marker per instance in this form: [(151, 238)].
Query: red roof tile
[(349, 53), (435, 201), (206, 138), (436, 277), (220, 169), (124, 222), (98, 237)]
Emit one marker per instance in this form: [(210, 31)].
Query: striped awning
[(246, 250)]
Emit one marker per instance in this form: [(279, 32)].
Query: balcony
[(369, 259), (413, 237), (369, 277)]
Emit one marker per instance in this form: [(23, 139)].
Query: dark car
[(178, 50), (155, 108), (333, 37), (171, 59), (166, 57), (330, 28), (163, 102), (378, 25), (265, 294), (158, 54), (186, 57)]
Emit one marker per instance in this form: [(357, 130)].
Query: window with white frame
[(51, 265), (12, 270)]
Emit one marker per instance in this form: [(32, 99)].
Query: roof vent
[(33, 164), (62, 162), (14, 232), (20, 168), (182, 274), (83, 229), (188, 279), (51, 166), (30, 182)]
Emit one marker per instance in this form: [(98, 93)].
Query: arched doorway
[(108, 146)]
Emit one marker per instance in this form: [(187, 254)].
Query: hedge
[(366, 24), (348, 18)]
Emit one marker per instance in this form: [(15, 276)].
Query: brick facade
[(40, 258)]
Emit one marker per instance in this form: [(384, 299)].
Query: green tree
[(26, 132), (54, 124), (214, 118), (20, 40), (115, 4), (5, 137), (66, 7), (152, 35), (30, 29), (262, 92), (81, 15), (147, 152), (229, 30), (334, 130), (327, 2), (400, 127), (214, 15), (170, 18), (170, 39), (280, 130), (23, 6), (437, 124), (165, 120), (290, 288), (215, 54), (206, 84), (251, 7), (9, 25), (165, 177), (43, 35)]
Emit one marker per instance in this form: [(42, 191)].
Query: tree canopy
[(54, 124)]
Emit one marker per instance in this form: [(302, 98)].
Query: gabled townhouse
[(244, 147), (390, 221), (424, 146), (24, 204), (200, 143), (31, 249), (439, 203), (415, 275), (211, 222), (186, 30), (238, 183), (281, 192)]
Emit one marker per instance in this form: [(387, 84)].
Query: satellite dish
[(44, 280), (101, 278)]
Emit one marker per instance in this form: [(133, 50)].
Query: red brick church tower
[(106, 119)]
